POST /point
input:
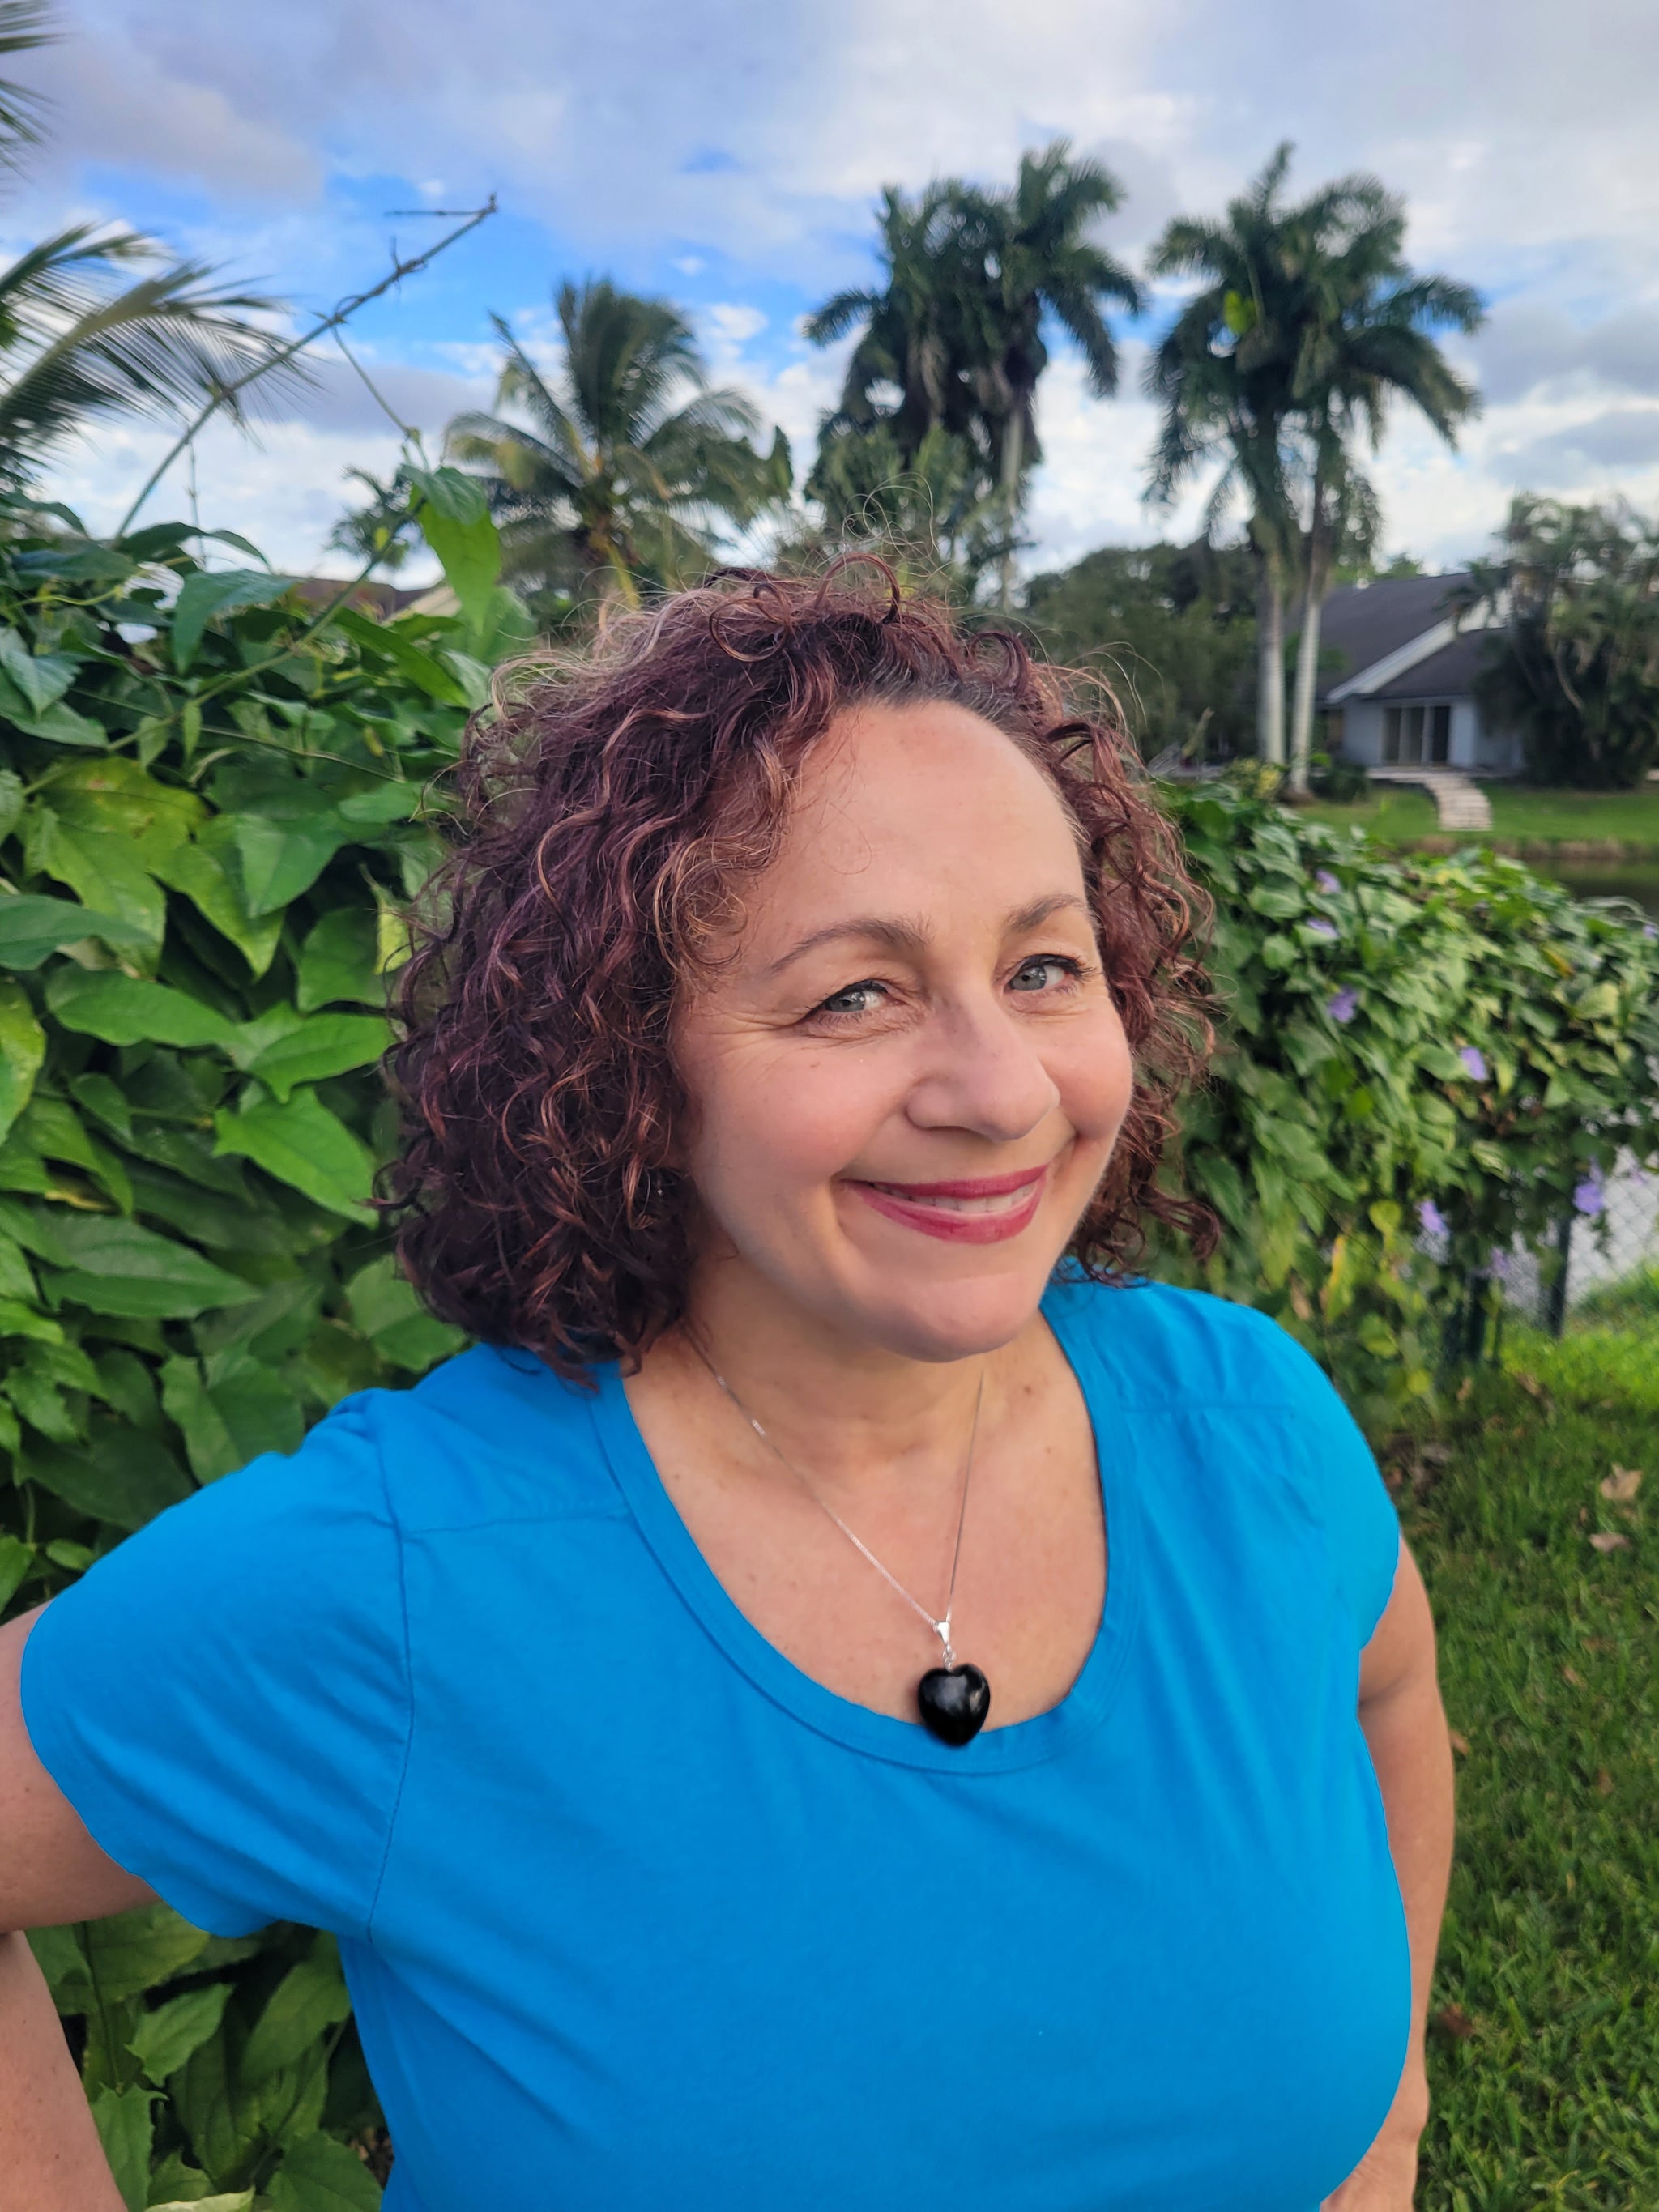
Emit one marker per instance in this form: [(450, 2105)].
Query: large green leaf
[(208, 871), (386, 1310), (115, 1267), (218, 592), (455, 521), (283, 854), (17, 1564), (386, 642), (318, 2174), (299, 1142), (32, 926), (41, 678), (125, 1010), (340, 959), (166, 2036), (283, 1049), (125, 2125), (103, 867), (230, 1408), (22, 1049), (118, 794), (131, 1952), (310, 1998), (122, 1476)]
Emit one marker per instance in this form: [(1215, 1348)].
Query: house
[(1397, 682)]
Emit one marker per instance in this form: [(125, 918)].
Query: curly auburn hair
[(610, 811)]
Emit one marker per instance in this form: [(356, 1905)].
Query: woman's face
[(907, 1080)]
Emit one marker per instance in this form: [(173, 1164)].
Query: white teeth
[(1008, 1201)]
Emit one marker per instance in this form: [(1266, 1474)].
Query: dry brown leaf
[(1601, 1643), (1464, 1388), (1452, 2019), (1604, 1781), (1622, 1485), (1436, 1455), (1572, 1674), (1583, 1516), (1460, 1744), (1605, 1541), (1529, 1383)]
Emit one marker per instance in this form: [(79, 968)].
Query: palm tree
[(379, 534), (1031, 259), (955, 329), (1308, 320), (1223, 373), (82, 333), (915, 337), (1366, 339), (621, 465)]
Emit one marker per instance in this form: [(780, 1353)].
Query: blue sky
[(727, 153)]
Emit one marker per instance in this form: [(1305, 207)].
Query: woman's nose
[(984, 1073)]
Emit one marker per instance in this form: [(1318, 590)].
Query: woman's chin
[(939, 1322)]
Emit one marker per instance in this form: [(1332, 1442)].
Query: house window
[(1440, 734), (1412, 752), (1390, 736)]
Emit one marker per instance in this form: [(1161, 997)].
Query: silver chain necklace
[(954, 1697)]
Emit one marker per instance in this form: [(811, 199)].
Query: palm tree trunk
[(1307, 671), (1307, 650), (1013, 454), (1269, 659)]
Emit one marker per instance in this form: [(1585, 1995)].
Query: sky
[(728, 155)]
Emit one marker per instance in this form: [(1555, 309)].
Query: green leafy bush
[(213, 808), (1425, 1058), (214, 803)]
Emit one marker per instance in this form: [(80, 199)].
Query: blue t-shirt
[(636, 1914)]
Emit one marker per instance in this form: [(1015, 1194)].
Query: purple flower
[(1326, 881), (1433, 1220), (1322, 928), (1474, 1062), (1343, 1006), (1650, 929), (1589, 1197)]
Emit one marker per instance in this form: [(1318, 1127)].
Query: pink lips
[(985, 1210)]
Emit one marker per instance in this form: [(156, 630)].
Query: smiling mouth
[(988, 1195), (982, 1210)]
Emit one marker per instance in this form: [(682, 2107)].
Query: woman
[(846, 1697)]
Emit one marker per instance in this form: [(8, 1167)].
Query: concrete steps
[(1459, 800)]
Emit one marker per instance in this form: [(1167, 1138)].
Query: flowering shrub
[(1425, 1058), (212, 804)]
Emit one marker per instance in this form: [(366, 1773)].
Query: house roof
[(1448, 674), (1364, 623)]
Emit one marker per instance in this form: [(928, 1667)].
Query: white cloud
[(664, 142)]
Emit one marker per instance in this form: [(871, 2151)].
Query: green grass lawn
[(1545, 2063), (1397, 813)]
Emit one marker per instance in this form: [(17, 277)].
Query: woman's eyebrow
[(906, 940)]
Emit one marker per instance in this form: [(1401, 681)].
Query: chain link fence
[(1602, 1260)]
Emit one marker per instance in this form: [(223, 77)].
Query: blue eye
[(855, 999), (1042, 972)]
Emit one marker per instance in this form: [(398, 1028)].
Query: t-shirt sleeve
[(1345, 1488), (224, 1698)]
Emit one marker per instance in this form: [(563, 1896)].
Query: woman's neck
[(856, 1415)]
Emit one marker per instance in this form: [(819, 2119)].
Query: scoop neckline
[(1030, 1743)]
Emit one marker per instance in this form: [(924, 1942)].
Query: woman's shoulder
[(1154, 1343), (489, 1434)]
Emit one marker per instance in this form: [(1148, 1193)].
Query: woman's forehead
[(916, 814)]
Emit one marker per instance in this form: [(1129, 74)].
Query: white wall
[(1362, 732)]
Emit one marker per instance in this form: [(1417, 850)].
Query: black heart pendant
[(954, 1701)]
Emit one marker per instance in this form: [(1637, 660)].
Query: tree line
[(613, 466)]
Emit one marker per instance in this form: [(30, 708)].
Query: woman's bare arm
[(1405, 1726), (51, 1870)]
